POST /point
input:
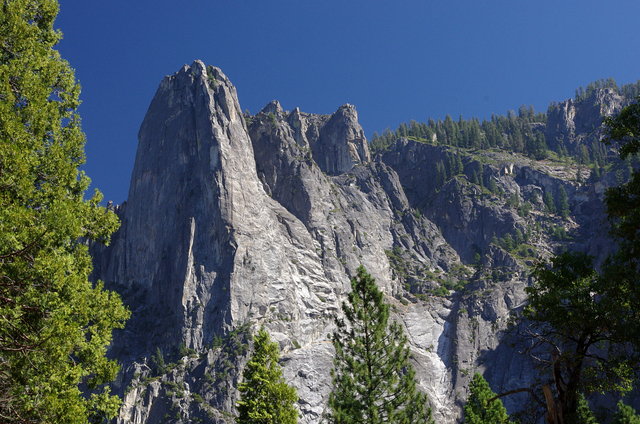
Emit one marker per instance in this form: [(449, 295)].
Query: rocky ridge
[(235, 221)]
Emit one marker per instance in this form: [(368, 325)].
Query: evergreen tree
[(573, 315), (549, 202), (508, 243), (563, 202), (265, 398), (157, 362), (583, 154), (459, 165), (373, 379), (623, 210), (584, 414), (625, 415), (55, 326), (478, 410), (474, 178), (492, 186)]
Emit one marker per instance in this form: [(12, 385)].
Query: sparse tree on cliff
[(563, 202), (265, 398), (55, 325), (373, 379)]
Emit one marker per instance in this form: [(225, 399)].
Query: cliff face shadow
[(511, 366), (446, 347)]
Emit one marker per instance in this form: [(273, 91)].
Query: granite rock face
[(572, 122), (236, 221)]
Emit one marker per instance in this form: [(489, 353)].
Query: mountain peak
[(272, 107)]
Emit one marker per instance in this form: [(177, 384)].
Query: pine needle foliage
[(265, 397), (373, 379), (478, 409), (55, 326)]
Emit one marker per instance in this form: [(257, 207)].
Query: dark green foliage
[(623, 208), (583, 154), (516, 243), (623, 128), (521, 132), (183, 350), (55, 326), (382, 142), (588, 324), (524, 209), (583, 415), (158, 363), (625, 415), (373, 379), (559, 233), (478, 410), (265, 398), (536, 147), (513, 132), (513, 201), (507, 242), (549, 202), (583, 93), (493, 187), (572, 316), (563, 202)]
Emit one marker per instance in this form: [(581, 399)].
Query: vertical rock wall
[(236, 221)]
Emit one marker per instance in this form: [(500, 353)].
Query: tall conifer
[(265, 396), (55, 326), (478, 410), (373, 379)]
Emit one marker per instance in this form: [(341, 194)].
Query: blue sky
[(395, 60)]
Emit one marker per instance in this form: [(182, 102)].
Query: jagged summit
[(231, 222), (336, 141), (236, 221), (272, 107)]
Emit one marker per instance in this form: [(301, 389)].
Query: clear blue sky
[(395, 60)]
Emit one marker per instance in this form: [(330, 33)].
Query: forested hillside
[(537, 135)]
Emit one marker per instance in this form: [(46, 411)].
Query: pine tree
[(563, 202), (158, 363), (625, 415), (459, 165), (55, 326), (265, 397), (478, 410), (549, 202), (493, 187), (584, 415), (572, 317), (373, 379)]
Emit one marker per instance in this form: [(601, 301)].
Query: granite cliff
[(235, 221)]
